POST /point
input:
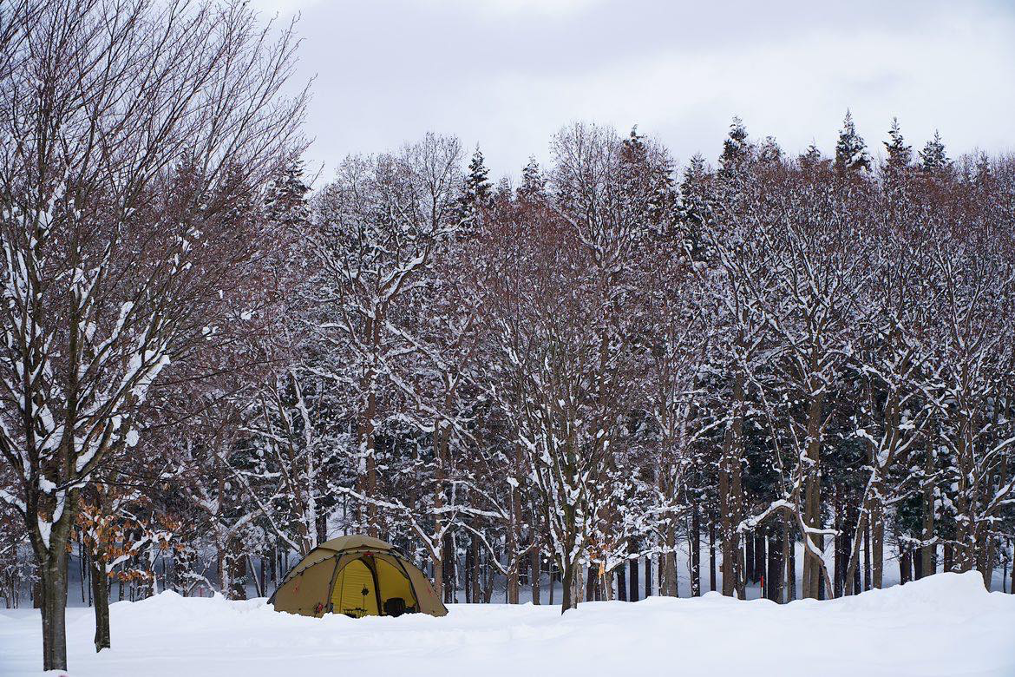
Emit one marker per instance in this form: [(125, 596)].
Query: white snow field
[(943, 625)]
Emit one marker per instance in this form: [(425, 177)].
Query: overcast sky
[(508, 73)]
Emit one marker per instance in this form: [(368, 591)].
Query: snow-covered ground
[(943, 625)]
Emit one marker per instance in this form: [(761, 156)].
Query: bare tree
[(377, 226), (129, 129)]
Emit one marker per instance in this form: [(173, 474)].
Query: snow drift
[(943, 625)]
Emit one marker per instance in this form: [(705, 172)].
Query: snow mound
[(942, 625), (948, 593)]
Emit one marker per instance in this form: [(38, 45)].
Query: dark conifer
[(286, 203), (770, 153), (647, 180), (933, 157), (477, 192), (899, 153), (811, 158), (534, 185), (736, 150), (851, 153)]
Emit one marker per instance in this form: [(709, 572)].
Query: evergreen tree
[(645, 172), (851, 153), (696, 175), (933, 157), (983, 169), (477, 192), (736, 150), (770, 152), (899, 153), (286, 203), (534, 185), (694, 206), (811, 158), (502, 192)]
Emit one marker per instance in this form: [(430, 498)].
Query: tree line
[(584, 376)]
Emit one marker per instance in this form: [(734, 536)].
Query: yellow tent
[(356, 576)]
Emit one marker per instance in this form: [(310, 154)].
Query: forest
[(769, 369)]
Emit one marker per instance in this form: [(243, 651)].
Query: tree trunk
[(321, 527), (877, 542), (512, 585), (856, 569), (90, 580), (749, 558), (262, 576), (633, 579), (100, 593), (730, 495), (814, 567), (839, 566), (792, 568), (774, 573), (534, 559), (447, 567), (905, 567), (853, 520), (469, 566), (669, 563), (1012, 574), (488, 589), (370, 462), (712, 555), (867, 556), (514, 534), (53, 575), (239, 573), (928, 564), (760, 555), (788, 569), (695, 570), (987, 561), (82, 566), (553, 579), (438, 577), (730, 569), (568, 599), (475, 545), (649, 576)]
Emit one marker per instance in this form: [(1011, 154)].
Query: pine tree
[(811, 158), (933, 157), (851, 153), (477, 192), (899, 153), (646, 172), (503, 191), (983, 169), (695, 175), (533, 182), (286, 203), (770, 152), (694, 206), (736, 150)]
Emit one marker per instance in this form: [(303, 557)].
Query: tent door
[(355, 591), (394, 584)]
